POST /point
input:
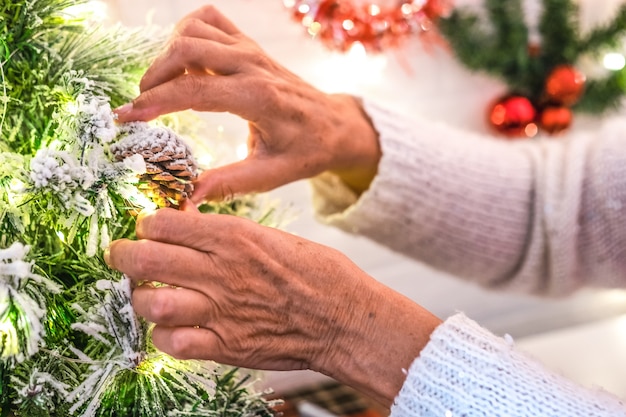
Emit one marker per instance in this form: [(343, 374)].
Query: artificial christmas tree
[(71, 180)]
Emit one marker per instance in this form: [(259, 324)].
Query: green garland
[(66, 329), (499, 45)]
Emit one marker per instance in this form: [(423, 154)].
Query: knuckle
[(147, 97), (177, 46), (208, 10), (188, 27), (180, 347), (261, 60), (162, 307), (155, 226), (193, 86)]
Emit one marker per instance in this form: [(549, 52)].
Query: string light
[(614, 61), (15, 189), (8, 334), (94, 11)]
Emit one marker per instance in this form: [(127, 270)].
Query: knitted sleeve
[(538, 216), (467, 371)]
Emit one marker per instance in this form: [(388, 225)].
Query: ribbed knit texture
[(465, 371), (544, 216)]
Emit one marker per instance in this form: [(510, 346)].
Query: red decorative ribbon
[(339, 24)]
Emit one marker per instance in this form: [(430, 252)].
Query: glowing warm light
[(95, 11), (374, 10), (157, 366), (8, 334), (406, 8), (614, 61), (16, 187), (348, 25), (531, 130), (205, 160), (304, 8), (152, 365), (307, 21), (72, 108), (242, 151), (314, 28), (289, 3)]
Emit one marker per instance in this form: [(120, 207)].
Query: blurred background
[(583, 336)]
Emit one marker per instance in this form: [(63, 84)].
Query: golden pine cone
[(170, 166)]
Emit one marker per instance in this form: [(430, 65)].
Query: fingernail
[(124, 109), (107, 256)]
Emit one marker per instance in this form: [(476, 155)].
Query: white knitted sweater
[(545, 216)]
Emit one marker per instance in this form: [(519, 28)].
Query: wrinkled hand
[(296, 131), (256, 297)]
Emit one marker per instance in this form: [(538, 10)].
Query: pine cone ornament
[(170, 167)]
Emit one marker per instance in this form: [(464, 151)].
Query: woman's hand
[(256, 297), (296, 131)]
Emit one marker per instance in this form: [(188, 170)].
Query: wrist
[(356, 146), (379, 340)]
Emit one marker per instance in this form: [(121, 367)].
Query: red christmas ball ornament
[(555, 119), (514, 116), (565, 85)]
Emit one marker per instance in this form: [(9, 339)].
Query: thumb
[(247, 176), (189, 206), (172, 96)]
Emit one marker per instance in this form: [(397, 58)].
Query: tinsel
[(70, 343), (340, 24)]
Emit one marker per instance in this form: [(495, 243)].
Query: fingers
[(188, 342), (195, 47), (189, 206), (180, 238), (213, 17), (182, 93), (189, 55), (190, 91), (192, 27), (173, 307), (247, 176), (161, 262)]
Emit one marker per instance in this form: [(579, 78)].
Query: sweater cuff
[(466, 370), (338, 205)]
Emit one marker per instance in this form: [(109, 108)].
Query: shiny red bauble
[(555, 119), (514, 116), (565, 85)]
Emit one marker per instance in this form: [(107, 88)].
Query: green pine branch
[(498, 45), (605, 36), (46, 61), (604, 94)]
